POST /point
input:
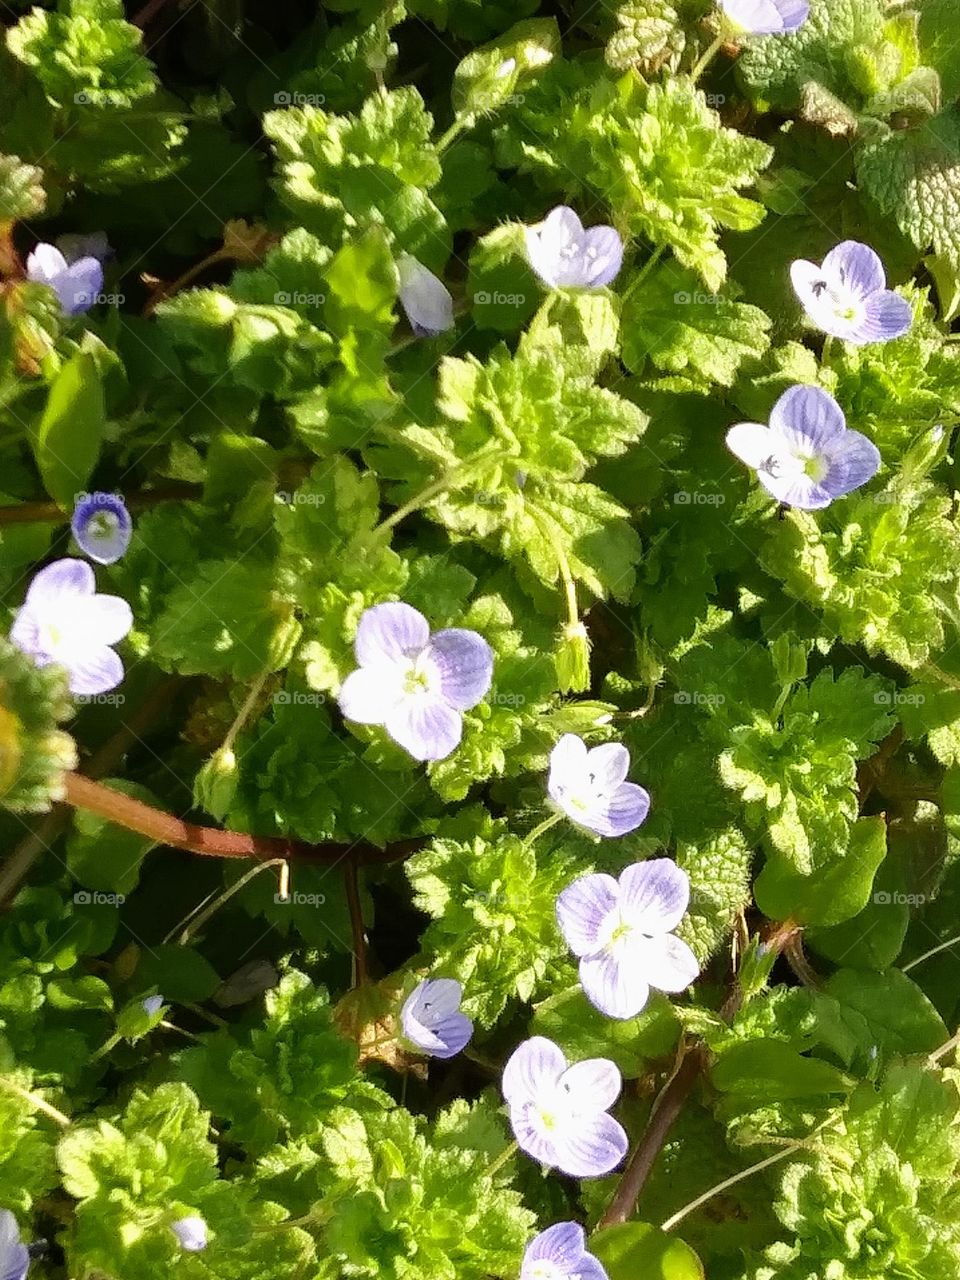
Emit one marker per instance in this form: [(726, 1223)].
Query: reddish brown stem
[(212, 842), (351, 878), (666, 1109), (51, 513)]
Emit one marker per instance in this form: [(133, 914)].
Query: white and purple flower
[(152, 1005), (77, 284), (415, 684), (191, 1231), (621, 930), (846, 295), (590, 787), (424, 297), (14, 1255), (560, 1253), (102, 527), (432, 1020), (563, 254), (64, 621), (766, 17), (805, 456), (558, 1112)]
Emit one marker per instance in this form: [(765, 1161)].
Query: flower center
[(845, 306), (416, 678), (103, 525)]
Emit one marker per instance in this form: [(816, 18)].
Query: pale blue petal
[(549, 244), (534, 1067), (595, 1147), (619, 814), (426, 726), (591, 1085), (612, 986), (603, 255), (887, 316), (568, 761), (464, 665), (852, 463), (424, 298), (807, 418), (80, 285), (855, 266), (14, 1258), (530, 1136), (370, 694), (563, 1244), (608, 765), (92, 672), (654, 895), (666, 962), (107, 619), (102, 527), (764, 17), (191, 1232), (582, 908), (59, 580), (389, 632)]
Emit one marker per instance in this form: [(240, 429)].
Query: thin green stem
[(501, 1160), (672, 1221), (459, 126), (944, 946), (545, 825), (707, 56), (451, 477), (243, 714), (827, 348), (945, 1049), (190, 926), (37, 1102), (644, 271)]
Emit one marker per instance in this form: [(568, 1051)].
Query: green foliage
[(33, 752)]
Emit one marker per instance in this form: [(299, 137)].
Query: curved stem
[(501, 1160), (242, 715), (945, 1050), (459, 125), (707, 56), (672, 1221), (194, 921), (545, 825), (37, 1102), (451, 477), (642, 274), (212, 842), (944, 946), (665, 1110)]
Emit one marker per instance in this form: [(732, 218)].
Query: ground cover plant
[(479, 668)]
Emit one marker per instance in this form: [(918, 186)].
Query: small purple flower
[(75, 245), (414, 684), (805, 457), (766, 17), (558, 1112), (562, 253), (621, 931), (76, 284), (560, 1253), (152, 1005), (191, 1232), (14, 1256), (425, 298), (846, 296), (102, 526), (63, 620), (431, 1018), (590, 787)]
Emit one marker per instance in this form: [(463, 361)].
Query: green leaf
[(839, 887), (761, 1070), (571, 1021), (21, 190), (490, 75), (901, 1018), (641, 1251), (68, 436)]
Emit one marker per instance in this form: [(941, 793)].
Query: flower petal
[(425, 726), (534, 1067), (45, 265), (603, 250), (530, 1134), (62, 578), (436, 998), (102, 527), (612, 985), (666, 962), (886, 316), (547, 243), (758, 17), (592, 1085), (855, 266), (593, 1148), (93, 671), (619, 814), (370, 694), (608, 765), (568, 761), (654, 895), (452, 1035), (797, 490), (563, 1244), (582, 908), (753, 443), (852, 464), (424, 297), (807, 418), (107, 619), (80, 285), (464, 664), (388, 632)]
